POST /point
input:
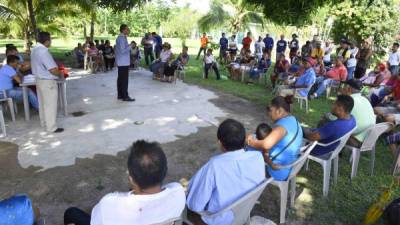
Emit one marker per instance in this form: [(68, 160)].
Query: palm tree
[(235, 14), (28, 16)]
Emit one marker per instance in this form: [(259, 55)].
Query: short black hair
[(231, 134), (12, 59), (153, 33), (9, 45), (147, 164), (10, 49), (43, 37), (263, 131), (346, 102), (396, 44), (122, 27)]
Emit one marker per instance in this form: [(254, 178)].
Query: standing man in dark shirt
[(294, 47), (269, 43), (223, 47), (147, 43), (280, 47), (158, 44)]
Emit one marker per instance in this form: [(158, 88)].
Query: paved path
[(162, 111)]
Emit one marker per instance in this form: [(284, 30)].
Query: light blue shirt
[(6, 76), (291, 153), (222, 181), (122, 51), (307, 78)]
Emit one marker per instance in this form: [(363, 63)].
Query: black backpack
[(392, 213)]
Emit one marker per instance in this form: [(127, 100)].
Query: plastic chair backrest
[(169, 222), (374, 132), (298, 164), (242, 207), (342, 142)]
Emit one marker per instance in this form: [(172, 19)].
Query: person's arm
[(17, 78), (200, 188), (312, 135), (51, 65), (123, 45)]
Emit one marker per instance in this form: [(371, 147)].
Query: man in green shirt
[(362, 112)]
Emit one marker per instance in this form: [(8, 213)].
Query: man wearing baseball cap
[(305, 81), (362, 112)]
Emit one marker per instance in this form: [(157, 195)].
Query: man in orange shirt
[(247, 41), (203, 45), (334, 76)]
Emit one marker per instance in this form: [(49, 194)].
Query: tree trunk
[(27, 39), (31, 14), (92, 27), (84, 29)]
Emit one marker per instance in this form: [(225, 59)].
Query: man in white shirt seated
[(149, 202), (209, 62), (226, 177)]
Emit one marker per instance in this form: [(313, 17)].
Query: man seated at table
[(8, 73), (24, 67), (304, 82), (334, 76), (334, 129), (226, 177), (149, 201)]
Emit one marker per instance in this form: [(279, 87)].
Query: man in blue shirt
[(335, 129), (280, 47), (123, 60), (226, 177), (8, 74), (269, 43), (304, 82), (158, 44), (223, 47)]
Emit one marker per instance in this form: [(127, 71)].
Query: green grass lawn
[(348, 201)]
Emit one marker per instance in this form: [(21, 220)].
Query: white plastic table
[(62, 97)]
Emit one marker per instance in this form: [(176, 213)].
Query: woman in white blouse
[(158, 66)]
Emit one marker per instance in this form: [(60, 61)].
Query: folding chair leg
[(283, 186), (355, 159), (335, 169), (327, 175), (307, 109), (292, 191), (372, 160), (307, 162), (396, 164), (11, 108)]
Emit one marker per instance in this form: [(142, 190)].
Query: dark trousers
[(122, 82), (207, 67), (148, 55), (109, 63), (76, 216), (158, 51), (201, 50)]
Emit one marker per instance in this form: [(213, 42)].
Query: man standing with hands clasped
[(122, 59), (46, 72)]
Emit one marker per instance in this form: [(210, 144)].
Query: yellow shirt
[(317, 53)]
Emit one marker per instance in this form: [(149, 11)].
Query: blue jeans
[(323, 84), (16, 94), (350, 72), (394, 70)]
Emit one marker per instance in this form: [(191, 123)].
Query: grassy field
[(348, 201)]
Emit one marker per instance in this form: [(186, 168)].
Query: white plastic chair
[(2, 123), (369, 143), (242, 207), (10, 102), (284, 185), (173, 221), (396, 164), (326, 160), (302, 99)]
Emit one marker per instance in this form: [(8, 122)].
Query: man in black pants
[(122, 58)]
